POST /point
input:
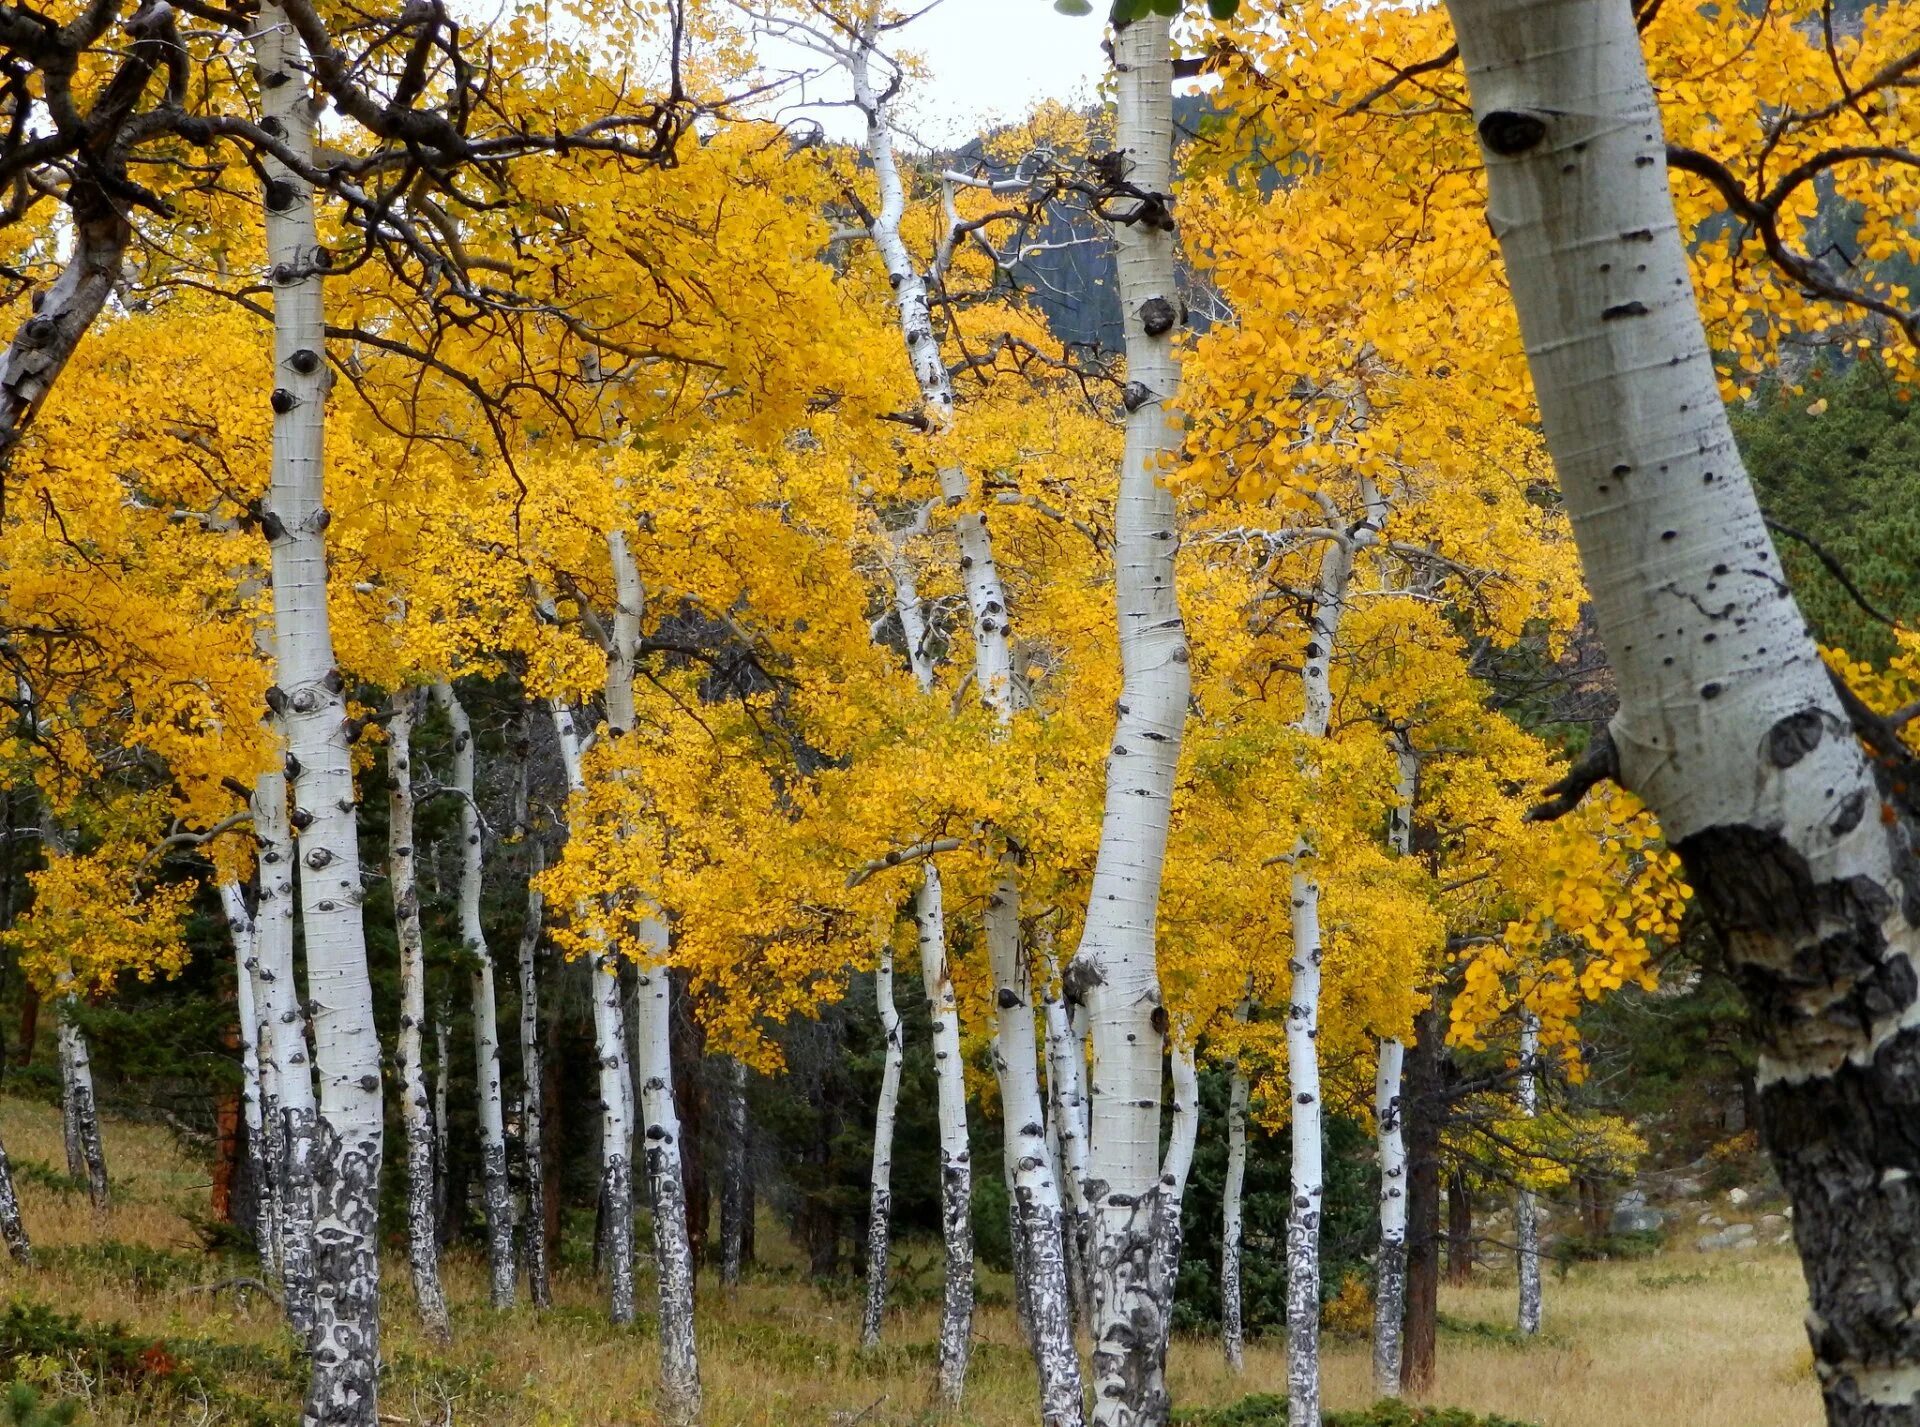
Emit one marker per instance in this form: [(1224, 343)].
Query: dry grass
[(1708, 1341)]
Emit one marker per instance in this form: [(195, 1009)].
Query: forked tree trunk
[(1729, 726), (286, 1061), (532, 1075), (880, 1203), (80, 1112), (416, 1111), (309, 696), (1116, 972), (496, 1194), (257, 1110), (666, 1186), (733, 1179), (1233, 1338), (1526, 1227)]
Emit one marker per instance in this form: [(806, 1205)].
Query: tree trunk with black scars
[(310, 698), (442, 1171), (880, 1200), (1066, 1087), (416, 1110), (1526, 1227), (80, 1111), (666, 1183), (286, 1057), (1233, 1340), (258, 1106), (733, 1178), (532, 1076), (956, 1170), (1115, 973), (1422, 1108), (496, 1194), (1729, 727), (13, 1229)]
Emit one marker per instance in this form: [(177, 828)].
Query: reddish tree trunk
[(1421, 1112)]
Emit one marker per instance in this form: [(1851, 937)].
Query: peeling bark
[(496, 1194), (416, 1111), (12, 1229), (1232, 1330)]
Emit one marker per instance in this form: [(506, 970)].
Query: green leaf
[(1169, 8), (1222, 9), (1074, 7)]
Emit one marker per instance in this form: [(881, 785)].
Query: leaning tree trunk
[(1729, 726), (880, 1206), (80, 1111), (256, 1104), (309, 697), (416, 1111), (496, 1195), (1233, 1338), (733, 1178), (1422, 1107), (1116, 972), (666, 1186), (286, 1061), (532, 1070), (1526, 1226), (956, 1179)]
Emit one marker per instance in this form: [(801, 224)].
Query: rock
[(1787, 1213), (1772, 1223), (1734, 1236), (1785, 1238), (1633, 1215), (1710, 1220), (1737, 1197), (1683, 1187)]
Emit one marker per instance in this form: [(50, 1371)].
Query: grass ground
[(1711, 1341)]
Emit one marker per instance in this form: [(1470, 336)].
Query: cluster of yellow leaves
[(93, 919)]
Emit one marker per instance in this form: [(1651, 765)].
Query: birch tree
[(1526, 1226), (308, 697), (880, 1204), (532, 1052), (416, 1111), (257, 1104), (1729, 726), (484, 1008)]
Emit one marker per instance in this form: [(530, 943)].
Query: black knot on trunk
[(1135, 396), (1510, 131), (306, 361), (301, 819), (1157, 316), (280, 195), (319, 858), (283, 400), (1008, 1000)]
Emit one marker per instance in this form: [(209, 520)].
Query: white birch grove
[(1233, 1339), (286, 1061), (615, 1082), (1390, 1262), (416, 1110), (1526, 1225), (1729, 726), (666, 1184), (496, 1195), (532, 1052), (309, 698), (254, 1111), (80, 1111), (1115, 972), (880, 1201)]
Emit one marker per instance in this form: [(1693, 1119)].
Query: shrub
[(1267, 1409)]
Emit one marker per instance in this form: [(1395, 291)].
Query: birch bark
[(532, 1070), (733, 1181), (309, 697), (86, 1154), (253, 1098), (495, 1192), (880, 1204), (1526, 1224), (666, 1185), (416, 1111), (1232, 1329), (1390, 1267), (1729, 726)]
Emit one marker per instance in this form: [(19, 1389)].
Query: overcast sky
[(989, 59)]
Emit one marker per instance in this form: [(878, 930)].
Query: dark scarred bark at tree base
[(1422, 1108)]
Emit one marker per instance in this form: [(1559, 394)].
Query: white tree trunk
[(880, 1205), (1729, 726), (1526, 1225), (442, 1076), (86, 1155), (416, 1111), (532, 1055), (286, 1061), (1115, 972), (1390, 1269), (310, 699), (956, 1174), (1232, 1330), (1066, 1082), (733, 1185), (666, 1185), (495, 1192), (253, 1095), (12, 1229)]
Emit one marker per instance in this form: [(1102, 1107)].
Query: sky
[(988, 59)]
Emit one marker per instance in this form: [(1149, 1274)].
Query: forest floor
[(1708, 1340)]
